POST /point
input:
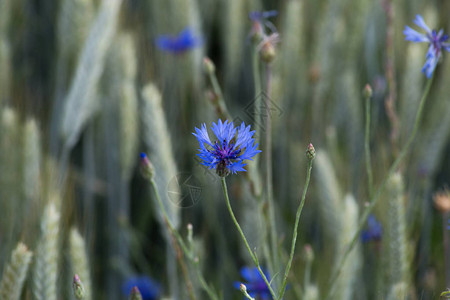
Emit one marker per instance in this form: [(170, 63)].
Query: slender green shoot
[(252, 254)]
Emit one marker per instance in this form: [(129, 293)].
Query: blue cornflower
[(180, 43), (228, 152), (259, 20), (150, 289), (256, 286), (435, 39), (373, 232), (260, 15)]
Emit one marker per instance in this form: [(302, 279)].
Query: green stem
[(367, 149), (269, 173), (183, 246), (294, 235), (252, 255), (258, 89), (375, 198)]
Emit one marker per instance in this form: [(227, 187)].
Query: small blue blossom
[(150, 289), (435, 39), (373, 232), (185, 40), (228, 152), (259, 21), (256, 286), (260, 15)]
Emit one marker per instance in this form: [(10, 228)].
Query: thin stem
[(248, 296), (179, 255), (367, 149), (253, 174), (446, 244), (258, 89), (294, 235), (253, 255), (211, 293), (375, 198), (183, 246), (269, 173)]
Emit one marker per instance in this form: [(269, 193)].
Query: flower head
[(436, 42), (232, 147), (373, 232), (259, 21), (149, 289), (255, 285), (180, 43)]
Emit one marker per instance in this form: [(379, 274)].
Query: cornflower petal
[(202, 135), (421, 23), (250, 151), (256, 286), (244, 135), (414, 36), (237, 167), (430, 65)]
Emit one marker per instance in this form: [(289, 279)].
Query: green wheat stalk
[(80, 262), (15, 272), (45, 272)]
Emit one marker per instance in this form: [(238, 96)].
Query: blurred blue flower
[(150, 289), (259, 21), (185, 40), (435, 39), (260, 15), (373, 232), (256, 287), (228, 152)]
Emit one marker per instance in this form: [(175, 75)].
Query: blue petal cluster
[(150, 289), (180, 43), (436, 42), (228, 152), (256, 286), (260, 15), (373, 232), (259, 22)]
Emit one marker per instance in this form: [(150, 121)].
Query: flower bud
[(147, 169), (135, 294), (309, 253), (208, 66), (243, 288), (367, 92), (267, 52), (310, 152), (78, 288)]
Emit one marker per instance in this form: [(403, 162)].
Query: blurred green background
[(84, 89)]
